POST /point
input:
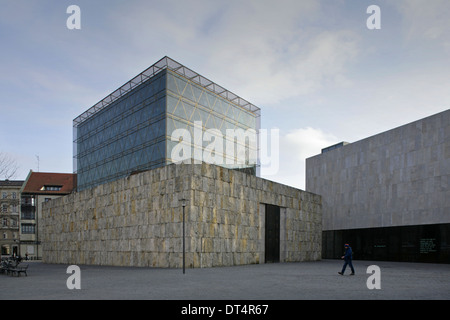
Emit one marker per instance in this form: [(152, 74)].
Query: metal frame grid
[(101, 154), (186, 101), (166, 63)]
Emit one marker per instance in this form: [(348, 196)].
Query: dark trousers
[(348, 261)]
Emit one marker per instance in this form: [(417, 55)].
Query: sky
[(318, 73)]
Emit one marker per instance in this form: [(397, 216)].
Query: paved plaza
[(277, 281)]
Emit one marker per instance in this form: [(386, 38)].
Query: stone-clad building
[(166, 135), (389, 194), (232, 218)]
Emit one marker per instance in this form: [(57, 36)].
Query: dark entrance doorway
[(272, 236)]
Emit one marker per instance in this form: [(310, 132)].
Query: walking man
[(347, 260)]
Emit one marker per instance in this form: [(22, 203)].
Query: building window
[(28, 201), (4, 208), (51, 188), (4, 195), (28, 228), (14, 195), (5, 222), (28, 213)]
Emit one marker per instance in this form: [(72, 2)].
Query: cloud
[(425, 19), (272, 77), (306, 142), (273, 54), (308, 64), (265, 51), (294, 147)]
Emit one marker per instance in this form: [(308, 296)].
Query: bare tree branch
[(8, 166)]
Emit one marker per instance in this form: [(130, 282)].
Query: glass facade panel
[(188, 103), (131, 129), (126, 136)]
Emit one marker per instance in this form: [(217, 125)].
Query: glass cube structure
[(132, 129)]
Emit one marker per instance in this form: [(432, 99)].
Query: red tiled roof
[(38, 181)]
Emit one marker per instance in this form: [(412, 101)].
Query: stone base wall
[(137, 221)]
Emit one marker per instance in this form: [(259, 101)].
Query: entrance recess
[(272, 234)]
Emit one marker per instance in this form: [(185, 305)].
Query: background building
[(387, 195), (9, 216), (131, 129), (39, 187)]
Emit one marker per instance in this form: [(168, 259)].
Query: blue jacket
[(348, 253)]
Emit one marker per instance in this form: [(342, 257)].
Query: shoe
[(341, 273), (352, 274)]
